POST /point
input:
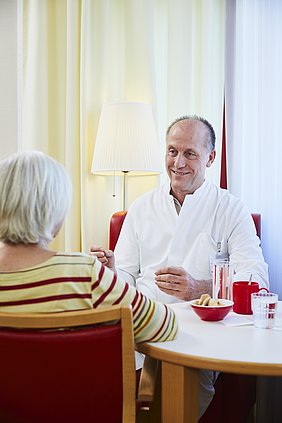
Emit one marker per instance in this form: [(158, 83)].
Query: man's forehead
[(192, 131), (188, 125)]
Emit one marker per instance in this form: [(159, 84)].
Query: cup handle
[(265, 289)]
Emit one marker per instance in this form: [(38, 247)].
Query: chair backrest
[(117, 219), (84, 373), (116, 223), (257, 221)]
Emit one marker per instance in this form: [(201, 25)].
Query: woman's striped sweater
[(80, 281)]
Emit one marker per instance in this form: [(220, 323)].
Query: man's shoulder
[(226, 202), (222, 193), (149, 196)]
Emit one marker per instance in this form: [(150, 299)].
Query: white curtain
[(79, 54), (254, 130)]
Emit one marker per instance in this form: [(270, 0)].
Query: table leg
[(155, 415), (180, 392)]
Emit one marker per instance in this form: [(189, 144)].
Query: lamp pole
[(124, 191)]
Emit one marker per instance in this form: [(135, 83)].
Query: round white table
[(242, 349)]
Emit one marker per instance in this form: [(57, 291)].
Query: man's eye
[(171, 152), (191, 155)]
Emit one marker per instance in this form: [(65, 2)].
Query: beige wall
[(8, 77), (106, 204)]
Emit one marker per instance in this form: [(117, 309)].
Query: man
[(171, 234)]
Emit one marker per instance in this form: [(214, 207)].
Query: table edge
[(227, 366)]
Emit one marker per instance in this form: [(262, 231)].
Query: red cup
[(242, 296)]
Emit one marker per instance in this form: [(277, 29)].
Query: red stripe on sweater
[(164, 322), (135, 299), (44, 299), (45, 282), (126, 288), (136, 310), (100, 276), (106, 293)]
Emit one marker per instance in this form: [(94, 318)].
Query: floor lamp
[(126, 143)]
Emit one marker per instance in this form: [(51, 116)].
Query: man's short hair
[(211, 138), (35, 194)]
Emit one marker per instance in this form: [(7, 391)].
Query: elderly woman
[(35, 194)]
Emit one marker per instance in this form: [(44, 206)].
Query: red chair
[(228, 385), (257, 221), (84, 373), (115, 228), (117, 220)]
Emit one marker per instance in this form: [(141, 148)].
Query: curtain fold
[(80, 54), (254, 132)]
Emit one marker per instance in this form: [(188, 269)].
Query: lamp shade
[(126, 140)]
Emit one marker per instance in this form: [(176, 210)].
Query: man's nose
[(180, 160)]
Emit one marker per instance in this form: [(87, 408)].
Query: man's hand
[(178, 282), (106, 257)]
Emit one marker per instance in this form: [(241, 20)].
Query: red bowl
[(212, 313)]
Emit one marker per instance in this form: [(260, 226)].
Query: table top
[(242, 349)]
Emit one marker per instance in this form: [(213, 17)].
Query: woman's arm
[(152, 321)]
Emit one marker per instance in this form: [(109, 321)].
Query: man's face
[(187, 156)]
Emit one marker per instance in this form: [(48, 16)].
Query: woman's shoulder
[(74, 258)]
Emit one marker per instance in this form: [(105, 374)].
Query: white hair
[(35, 194)]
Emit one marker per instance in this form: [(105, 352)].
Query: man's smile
[(180, 173)]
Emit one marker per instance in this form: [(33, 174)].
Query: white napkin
[(236, 320)]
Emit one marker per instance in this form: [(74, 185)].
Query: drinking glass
[(264, 306), (222, 276)]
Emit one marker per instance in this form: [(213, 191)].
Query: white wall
[(8, 77)]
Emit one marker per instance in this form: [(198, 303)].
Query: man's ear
[(211, 158)]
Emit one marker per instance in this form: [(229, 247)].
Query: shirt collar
[(196, 193)]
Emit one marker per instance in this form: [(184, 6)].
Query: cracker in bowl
[(206, 300)]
